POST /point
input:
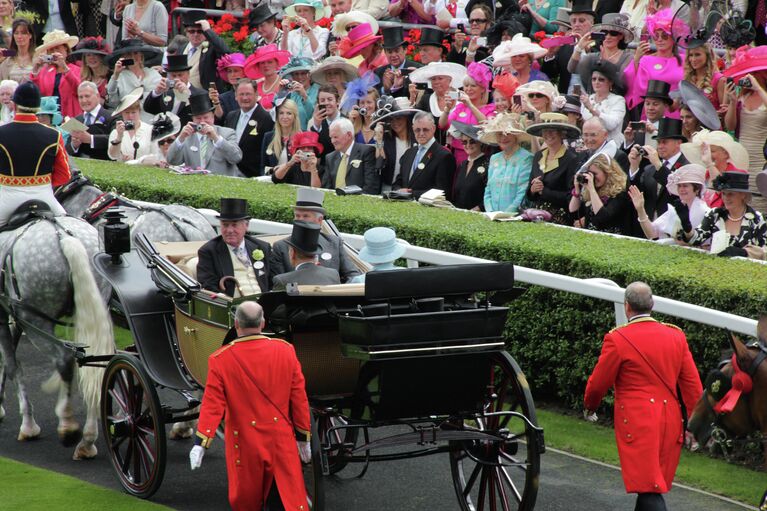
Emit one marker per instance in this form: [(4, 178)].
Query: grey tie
[(242, 255)]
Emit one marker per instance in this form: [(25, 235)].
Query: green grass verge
[(28, 487), (695, 469)]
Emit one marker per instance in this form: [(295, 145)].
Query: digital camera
[(47, 59), (303, 156), (171, 83), (581, 178), (198, 127), (745, 83), (363, 112), (129, 125)]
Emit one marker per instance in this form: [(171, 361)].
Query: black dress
[(469, 187), (557, 183), (613, 217)]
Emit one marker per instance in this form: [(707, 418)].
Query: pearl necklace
[(613, 54), (266, 90), (731, 219)]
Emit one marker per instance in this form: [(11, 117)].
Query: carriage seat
[(27, 212), (181, 253)]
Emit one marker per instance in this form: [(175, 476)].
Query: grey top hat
[(310, 199)]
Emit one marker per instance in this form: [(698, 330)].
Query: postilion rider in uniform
[(32, 159), (255, 383), (649, 364)]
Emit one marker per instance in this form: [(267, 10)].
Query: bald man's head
[(249, 318), (594, 133), (638, 298)]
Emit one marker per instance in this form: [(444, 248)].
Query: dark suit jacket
[(100, 130), (438, 171), (469, 189), (307, 273), (386, 165), (279, 261), (557, 183), (215, 263), (217, 48), (65, 11), (557, 68), (403, 91), (327, 145), (654, 182), (228, 104), (251, 164), (365, 175), (164, 103), (606, 7)]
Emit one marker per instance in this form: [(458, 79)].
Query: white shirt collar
[(249, 112), (348, 151), (94, 112), (671, 161), (428, 144)]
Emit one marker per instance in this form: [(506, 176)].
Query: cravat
[(88, 118), (341, 174), (416, 161), (242, 256), (192, 50)]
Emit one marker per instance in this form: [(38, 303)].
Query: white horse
[(47, 276)]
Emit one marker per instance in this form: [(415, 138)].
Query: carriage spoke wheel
[(336, 457), (315, 487), (132, 425), (499, 475)]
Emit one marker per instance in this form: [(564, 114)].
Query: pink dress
[(45, 81), (266, 100), (462, 113), (669, 70)]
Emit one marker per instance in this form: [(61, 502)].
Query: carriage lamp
[(116, 235)]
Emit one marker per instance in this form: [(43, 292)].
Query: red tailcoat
[(260, 442), (648, 420)]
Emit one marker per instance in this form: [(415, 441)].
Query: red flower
[(239, 36), (324, 22), (540, 35), (417, 57), (245, 13), (228, 18)]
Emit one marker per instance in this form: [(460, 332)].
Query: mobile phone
[(577, 90), (128, 62), (639, 138), (462, 28), (7, 52), (321, 108), (454, 95), (420, 86), (637, 125), (212, 85), (598, 36), (644, 37), (517, 100)]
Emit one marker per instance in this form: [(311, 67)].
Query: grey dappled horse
[(159, 222), (47, 276)]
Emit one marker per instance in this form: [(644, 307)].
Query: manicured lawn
[(28, 487), (695, 469)]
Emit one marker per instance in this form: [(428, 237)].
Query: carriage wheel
[(336, 459), (500, 475), (315, 486), (132, 425)]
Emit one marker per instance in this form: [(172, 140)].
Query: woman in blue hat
[(381, 250)]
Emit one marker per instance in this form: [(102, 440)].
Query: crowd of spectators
[(622, 117)]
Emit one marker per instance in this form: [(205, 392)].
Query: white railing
[(602, 289)]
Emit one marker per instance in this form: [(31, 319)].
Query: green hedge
[(555, 336)]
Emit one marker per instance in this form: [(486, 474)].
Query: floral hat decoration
[(227, 61), (505, 123), (480, 73)]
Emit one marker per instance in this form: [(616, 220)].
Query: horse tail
[(93, 326)]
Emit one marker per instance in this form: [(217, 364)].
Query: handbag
[(536, 215)]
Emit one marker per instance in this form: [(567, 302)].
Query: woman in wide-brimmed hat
[(718, 152), (517, 56), (509, 170), (613, 49), (472, 105), (441, 77), (688, 183), (361, 40), (538, 97), (262, 20), (19, 67), (49, 113), (303, 166), (606, 100), (264, 65), (127, 75), (230, 68), (303, 91), (308, 39), (599, 200), (130, 139), (553, 167), (471, 177), (381, 250), (335, 71), (732, 228), (93, 51), (396, 115), (165, 128), (51, 61)]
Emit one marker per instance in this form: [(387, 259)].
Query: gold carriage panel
[(197, 340), (326, 370)]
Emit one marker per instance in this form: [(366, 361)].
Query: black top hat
[(234, 209), (670, 128), (259, 14), (305, 237), (658, 89), (152, 54), (27, 95), (393, 37), (200, 103), (177, 63), (190, 18), (731, 182), (582, 7), (431, 36)]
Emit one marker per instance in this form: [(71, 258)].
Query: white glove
[(195, 456), (590, 418), (305, 451)]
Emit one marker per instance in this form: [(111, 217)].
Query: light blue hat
[(381, 246), (320, 10), (49, 105), (296, 64)]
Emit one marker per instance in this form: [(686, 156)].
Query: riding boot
[(650, 502)]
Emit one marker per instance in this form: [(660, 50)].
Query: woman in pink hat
[(362, 41), (303, 166), (264, 66), (665, 64), (230, 67), (472, 106)]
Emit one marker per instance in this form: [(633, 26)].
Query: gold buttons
[(252, 423), (275, 419), (236, 446), (625, 421), (207, 431), (657, 486), (664, 401), (621, 407), (301, 508), (652, 399), (236, 433), (628, 435), (237, 461)]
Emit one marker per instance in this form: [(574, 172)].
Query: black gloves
[(733, 252), (683, 212)]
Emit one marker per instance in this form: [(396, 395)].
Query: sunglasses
[(477, 21), (614, 33), (469, 141), (661, 35), (166, 141), (193, 31), (537, 95)]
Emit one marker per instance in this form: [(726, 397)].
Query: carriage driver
[(33, 157), (256, 383)]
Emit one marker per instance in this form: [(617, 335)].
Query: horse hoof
[(181, 434), (70, 438), (85, 452), (30, 434)]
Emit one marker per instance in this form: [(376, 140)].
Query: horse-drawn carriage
[(409, 364)]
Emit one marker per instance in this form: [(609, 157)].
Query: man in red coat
[(256, 384), (646, 361)]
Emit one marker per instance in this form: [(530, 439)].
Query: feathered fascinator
[(480, 73), (664, 20), (358, 89), (229, 60), (506, 84)]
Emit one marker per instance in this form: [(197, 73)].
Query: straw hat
[(56, 38), (519, 45), (554, 121), (342, 21), (738, 154), (264, 54), (333, 62), (456, 72), (128, 100), (164, 125), (501, 124), (747, 60), (615, 21), (690, 173), (539, 87), (320, 10)]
